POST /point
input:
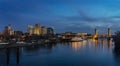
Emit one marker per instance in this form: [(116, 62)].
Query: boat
[(76, 39), (20, 42), (1, 43)]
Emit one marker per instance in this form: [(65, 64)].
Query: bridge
[(96, 35)]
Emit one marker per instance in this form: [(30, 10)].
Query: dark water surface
[(85, 53)]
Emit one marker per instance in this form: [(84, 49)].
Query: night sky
[(63, 15)]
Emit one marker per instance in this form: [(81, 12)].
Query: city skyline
[(37, 29), (63, 15), (40, 29), (59, 33)]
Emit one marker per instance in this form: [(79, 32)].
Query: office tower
[(8, 30), (37, 29), (43, 30), (30, 30), (50, 30)]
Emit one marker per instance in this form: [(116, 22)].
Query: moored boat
[(3, 43), (76, 39)]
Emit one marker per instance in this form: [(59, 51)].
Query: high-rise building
[(37, 29), (43, 30), (30, 29), (50, 30), (8, 30)]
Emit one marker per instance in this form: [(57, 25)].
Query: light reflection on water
[(85, 53), (93, 43)]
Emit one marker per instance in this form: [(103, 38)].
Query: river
[(85, 53)]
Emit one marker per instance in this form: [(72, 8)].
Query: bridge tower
[(95, 34), (109, 33)]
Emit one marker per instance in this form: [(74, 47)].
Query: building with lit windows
[(8, 30), (43, 30), (37, 29), (30, 30), (50, 30)]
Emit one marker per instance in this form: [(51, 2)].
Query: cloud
[(65, 15), (84, 17)]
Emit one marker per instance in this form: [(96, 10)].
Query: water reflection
[(96, 43), (109, 42), (76, 45), (104, 43), (31, 48), (39, 47), (17, 55), (116, 52), (8, 57), (88, 52)]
